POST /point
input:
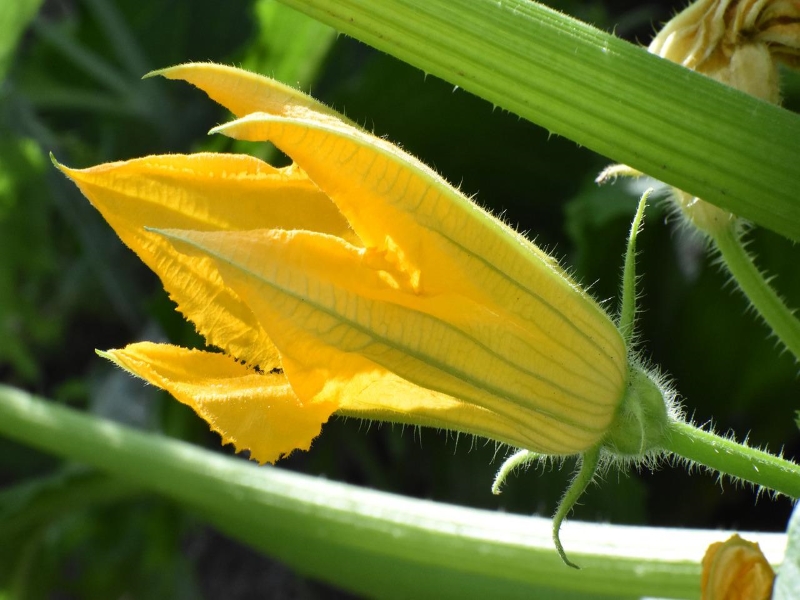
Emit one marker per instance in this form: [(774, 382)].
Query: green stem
[(369, 541), (733, 459), (752, 282), (627, 313)]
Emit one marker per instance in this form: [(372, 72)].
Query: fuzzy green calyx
[(641, 420)]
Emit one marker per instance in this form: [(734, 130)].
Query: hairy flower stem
[(758, 291), (627, 313), (732, 458)]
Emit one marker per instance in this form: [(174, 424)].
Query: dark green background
[(67, 286)]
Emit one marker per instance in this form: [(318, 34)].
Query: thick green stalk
[(758, 291), (733, 459), (370, 542), (678, 126)]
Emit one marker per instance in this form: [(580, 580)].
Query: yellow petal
[(736, 570), (253, 411), (206, 192), (243, 92), (450, 246), (348, 332)]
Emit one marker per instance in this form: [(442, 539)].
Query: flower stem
[(627, 313), (758, 291), (733, 459)]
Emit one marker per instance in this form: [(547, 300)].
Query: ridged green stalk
[(370, 542)]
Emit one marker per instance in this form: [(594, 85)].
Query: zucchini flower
[(358, 282), (736, 570)]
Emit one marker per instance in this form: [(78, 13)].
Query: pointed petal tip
[(108, 355), (63, 168), (170, 234), (225, 127), (242, 128), (112, 356), (215, 130), (231, 128), (170, 72), (154, 73)]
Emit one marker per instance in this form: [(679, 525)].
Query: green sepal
[(518, 459), (642, 418), (588, 467)]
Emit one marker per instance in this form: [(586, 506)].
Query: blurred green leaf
[(288, 45), (120, 36), (114, 546), (15, 16), (35, 503), (28, 258), (27, 513)]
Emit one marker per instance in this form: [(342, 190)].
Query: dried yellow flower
[(736, 43)]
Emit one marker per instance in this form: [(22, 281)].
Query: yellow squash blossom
[(736, 570), (357, 282)]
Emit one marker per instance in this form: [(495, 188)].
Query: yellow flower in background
[(355, 281), (736, 570), (737, 42)]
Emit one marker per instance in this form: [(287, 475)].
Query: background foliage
[(71, 85)]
